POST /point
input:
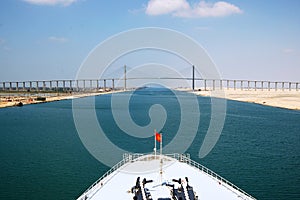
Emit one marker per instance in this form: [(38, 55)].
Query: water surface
[(42, 156)]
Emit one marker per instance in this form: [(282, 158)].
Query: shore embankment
[(289, 99), (17, 99)]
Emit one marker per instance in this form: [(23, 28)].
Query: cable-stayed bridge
[(130, 78)]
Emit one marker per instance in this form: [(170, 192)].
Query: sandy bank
[(11, 100), (282, 99)]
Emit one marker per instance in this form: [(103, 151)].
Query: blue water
[(42, 157)]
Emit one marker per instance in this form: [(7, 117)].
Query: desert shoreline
[(288, 99), (282, 99), (12, 100)]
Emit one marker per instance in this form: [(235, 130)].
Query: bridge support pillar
[(193, 78), (44, 85), (125, 73), (64, 85), (37, 86), (77, 85), (71, 86), (227, 84), (56, 86), (91, 85), (234, 84)]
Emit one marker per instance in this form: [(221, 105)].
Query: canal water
[(42, 156)]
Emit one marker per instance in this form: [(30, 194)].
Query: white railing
[(127, 157), (185, 158), (182, 158)]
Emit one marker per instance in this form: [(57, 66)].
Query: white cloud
[(182, 8), (2, 41), (3, 45), (51, 2), (202, 28), (6, 48), (160, 7), (136, 11), (288, 51), (57, 39)]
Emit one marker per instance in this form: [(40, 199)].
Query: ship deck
[(118, 183)]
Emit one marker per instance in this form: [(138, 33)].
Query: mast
[(160, 148), (193, 81), (154, 144), (124, 77), (161, 159)]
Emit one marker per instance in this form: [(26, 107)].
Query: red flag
[(158, 137)]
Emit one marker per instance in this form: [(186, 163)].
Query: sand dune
[(13, 100), (283, 99)]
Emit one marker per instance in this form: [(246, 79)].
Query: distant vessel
[(162, 177), (20, 104)]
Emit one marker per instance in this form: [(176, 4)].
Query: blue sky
[(247, 39)]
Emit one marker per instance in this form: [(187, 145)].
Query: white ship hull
[(162, 170)]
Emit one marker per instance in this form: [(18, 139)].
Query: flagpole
[(161, 159), (160, 143), (155, 143)]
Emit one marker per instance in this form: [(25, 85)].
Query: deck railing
[(185, 158), (126, 158), (210, 173)]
